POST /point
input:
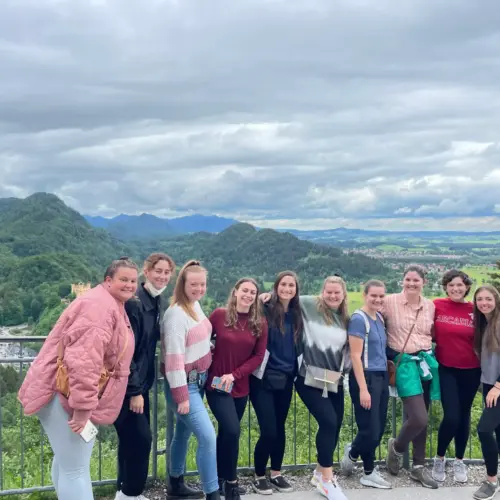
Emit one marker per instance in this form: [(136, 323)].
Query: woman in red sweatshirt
[(240, 333), (459, 370)]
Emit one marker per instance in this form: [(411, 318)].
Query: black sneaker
[(280, 484), (261, 485)]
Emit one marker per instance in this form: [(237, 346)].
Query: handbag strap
[(408, 337)]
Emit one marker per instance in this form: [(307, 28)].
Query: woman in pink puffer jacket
[(92, 333)]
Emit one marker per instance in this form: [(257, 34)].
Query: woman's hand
[(365, 399), (227, 380), (137, 404), (492, 397), (265, 297), (183, 408), (76, 427)]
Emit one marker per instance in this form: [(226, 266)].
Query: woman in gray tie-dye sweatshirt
[(322, 356)]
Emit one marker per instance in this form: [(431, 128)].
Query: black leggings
[(328, 412), (134, 446), (458, 389), (228, 412), (371, 423), (271, 409), (488, 430)]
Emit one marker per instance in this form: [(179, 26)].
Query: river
[(11, 349)]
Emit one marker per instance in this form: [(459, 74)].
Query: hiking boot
[(459, 471), (279, 483), (215, 495), (177, 489), (375, 480), (486, 491), (438, 470), (231, 491), (241, 490), (394, 459), (421, 474), (347, 464), (262, 486)]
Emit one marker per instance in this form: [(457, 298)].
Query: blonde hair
[(179, 296), (325, 310), (254, 314)]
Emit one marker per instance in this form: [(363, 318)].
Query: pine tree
[(495, 276)]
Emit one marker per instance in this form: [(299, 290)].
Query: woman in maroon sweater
[(240, 333), (459, 370)]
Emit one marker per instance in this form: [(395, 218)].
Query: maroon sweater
[(237, 351)]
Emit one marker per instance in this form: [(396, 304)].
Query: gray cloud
[(310, 113)]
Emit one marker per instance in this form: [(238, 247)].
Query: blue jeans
[(196, 422)]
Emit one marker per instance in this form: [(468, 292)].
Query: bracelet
[(497, 386)]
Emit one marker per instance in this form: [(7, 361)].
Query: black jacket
[(144, 312)]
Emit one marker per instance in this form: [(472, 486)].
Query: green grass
[(479, 274)]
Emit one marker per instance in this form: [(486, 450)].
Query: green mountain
[(45, 246)]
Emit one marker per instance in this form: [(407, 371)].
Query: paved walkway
[(373, 494)]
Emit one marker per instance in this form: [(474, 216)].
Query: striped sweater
[(185, 345)]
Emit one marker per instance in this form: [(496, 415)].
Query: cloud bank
[(304, 113)]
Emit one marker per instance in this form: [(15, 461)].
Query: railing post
[(170, 435), (155, 421), (406, 454)]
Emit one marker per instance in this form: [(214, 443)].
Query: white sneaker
[(438, 470), (316, 478), (346, 464), (375, 480), (121, 496), (460, 471), (331, 490)]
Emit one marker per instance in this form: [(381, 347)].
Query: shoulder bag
[(62, 378), (391, 366), (321, 378)]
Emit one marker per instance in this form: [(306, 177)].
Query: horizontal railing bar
[(16, 338), (16, 360)]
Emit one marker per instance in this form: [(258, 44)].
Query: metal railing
[(22, 438)]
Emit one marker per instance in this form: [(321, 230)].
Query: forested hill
[(45, 246)]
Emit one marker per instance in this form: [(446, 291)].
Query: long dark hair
[(489, 330), (275, 312)]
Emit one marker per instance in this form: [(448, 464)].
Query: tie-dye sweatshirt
[(322, 345), (185, 345)]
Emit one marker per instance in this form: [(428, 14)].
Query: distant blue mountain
[(146, 226)]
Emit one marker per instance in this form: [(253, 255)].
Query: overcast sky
[(285, 113)]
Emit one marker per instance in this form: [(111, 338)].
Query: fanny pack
[(321, 378)]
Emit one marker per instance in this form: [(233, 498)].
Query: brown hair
[(372, 283), (326, 311), (179, 296), (450, 275), (276, 312), (484, 329), (254, 315), (117, 264), (416, 268), (156, 257)]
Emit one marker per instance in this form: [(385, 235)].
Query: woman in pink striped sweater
[(186, 333)]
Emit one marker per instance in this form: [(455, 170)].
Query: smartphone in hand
[(89, 432), (218, 385)]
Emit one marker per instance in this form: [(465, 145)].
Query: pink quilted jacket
[(94, 328)]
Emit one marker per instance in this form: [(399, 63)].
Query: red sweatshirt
[(237, 351), (454, 334)]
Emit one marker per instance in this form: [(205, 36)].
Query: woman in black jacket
[(133, 424)]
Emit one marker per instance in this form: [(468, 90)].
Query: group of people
[(98, 365)]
